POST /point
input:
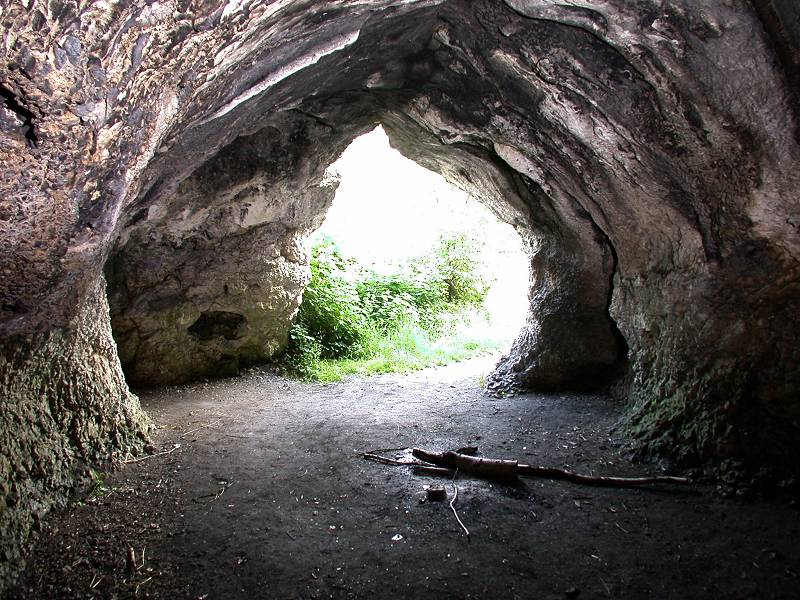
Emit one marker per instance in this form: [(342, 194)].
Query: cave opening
[(395, 221), (208, 279), (650, 170)]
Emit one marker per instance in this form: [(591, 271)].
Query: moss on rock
[(66, 406)]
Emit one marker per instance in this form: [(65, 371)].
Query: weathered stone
[(65, 407), (646, 151), (229, 241)]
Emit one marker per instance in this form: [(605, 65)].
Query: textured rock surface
[(647, 151), (569, 338), (209, 279), (65, 407)]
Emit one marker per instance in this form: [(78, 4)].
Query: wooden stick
[(483, 467), (494, 468), (427, 470), (385, 461), (446, 463), (551, 473), (377, 450)]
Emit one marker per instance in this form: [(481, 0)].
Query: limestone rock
[(646, 151), (65, 407), (209, 279)]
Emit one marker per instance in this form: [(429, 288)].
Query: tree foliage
[(352, 313)]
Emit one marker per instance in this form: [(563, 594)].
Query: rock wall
[(66, 407), (569, 339), (647, 152), (209, 279)]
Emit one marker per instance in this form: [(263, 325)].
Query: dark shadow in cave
[(217, 323)]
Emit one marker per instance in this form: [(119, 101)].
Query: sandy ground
[(265, 495)]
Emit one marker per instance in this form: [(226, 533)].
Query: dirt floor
[(262, 493)]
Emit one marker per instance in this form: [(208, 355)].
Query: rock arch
[(180, 147)]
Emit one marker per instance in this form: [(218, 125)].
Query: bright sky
[(388, 208)]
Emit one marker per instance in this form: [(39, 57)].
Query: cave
[(164, 163)]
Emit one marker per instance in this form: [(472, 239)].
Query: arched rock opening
[(229, 240), (650, 167)]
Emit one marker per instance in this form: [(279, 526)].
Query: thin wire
[(453, 501)]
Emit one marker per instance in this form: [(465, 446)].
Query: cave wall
[(655, 190), (66, 408), (647, 152), (568, 339), (208, 280), (653, 160)]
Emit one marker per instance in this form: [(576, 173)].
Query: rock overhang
[(651, 170), (621, 145), (621, 136)]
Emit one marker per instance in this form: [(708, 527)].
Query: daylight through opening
[(428, 272)]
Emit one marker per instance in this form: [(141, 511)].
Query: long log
[(552, 473), (483, 467), (495, 468)]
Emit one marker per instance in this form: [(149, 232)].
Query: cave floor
[(267, 497)]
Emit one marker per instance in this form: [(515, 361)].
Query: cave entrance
[(421, 259)]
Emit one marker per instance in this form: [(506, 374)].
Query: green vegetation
[(357, 321), (98, 486)]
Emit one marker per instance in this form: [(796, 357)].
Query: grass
[(353, 321), (405, 349), (98, 487)]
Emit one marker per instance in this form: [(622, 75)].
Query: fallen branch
[(446, 463), (551, 473), (428, 470), (493, 468), (383, 460)]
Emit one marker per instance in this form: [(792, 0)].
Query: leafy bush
[(303, 351), (384, 322), (391, 300), (330, 313), (455, 261)]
